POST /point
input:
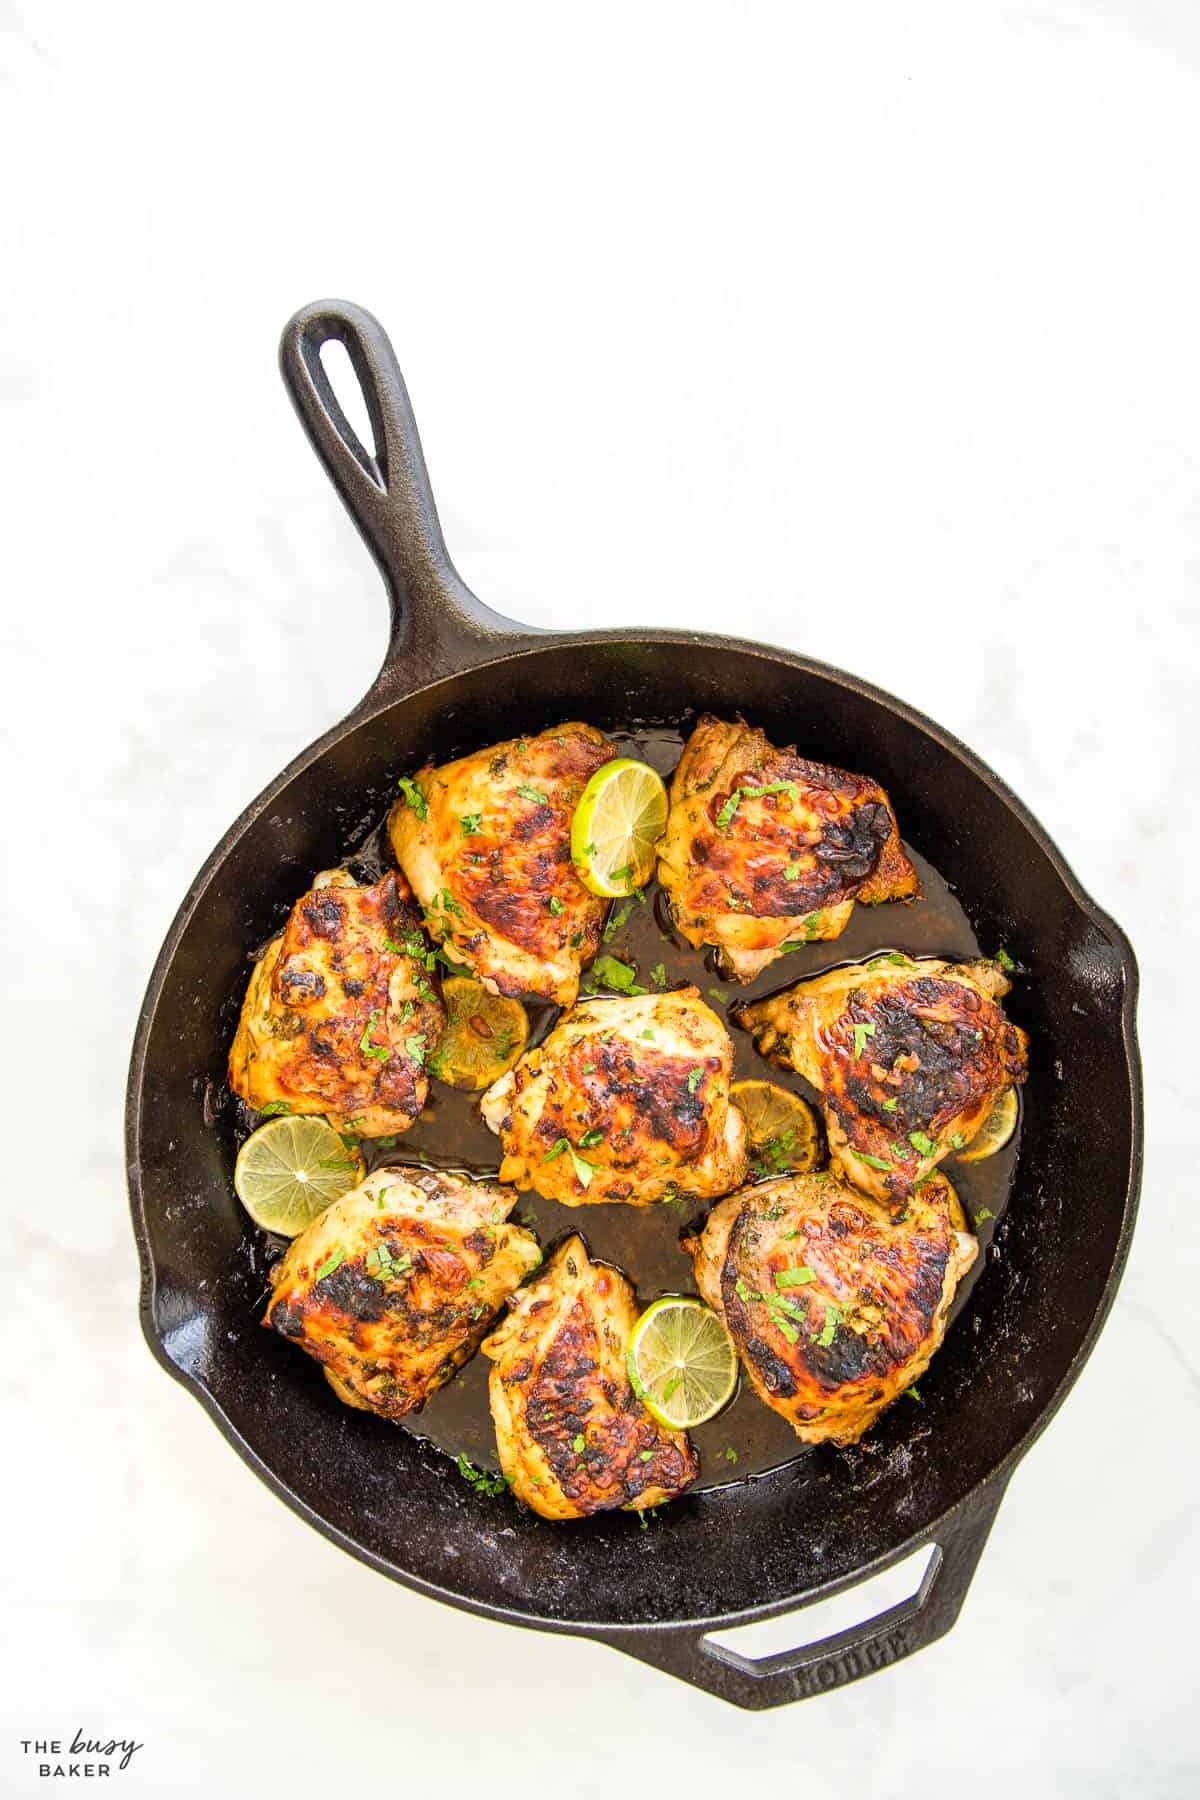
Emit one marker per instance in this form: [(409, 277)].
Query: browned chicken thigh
[(573, 1438), (627, 1100), (392, 1287), (908, 1055), (339, 1017), (764, 850), (834, 1306), (486, 843)]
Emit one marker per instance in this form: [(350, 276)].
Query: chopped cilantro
[(892, 1104), (378, 1051), (333, 1261), (800, 1277), (480, 1480), (872, 1162), (924, 1146), (532, 793), (695, 1077), (620, 976), (469, 824), (415, 796), (861, 1033), (274, 1106)]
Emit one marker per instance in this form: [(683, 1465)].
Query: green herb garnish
[(377, 1051), (415, 797)]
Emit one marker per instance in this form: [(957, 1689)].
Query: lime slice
[(996, 1129), (290, 1170), (485, 1035), (781, 1126), (620, 817), (682, 1364)]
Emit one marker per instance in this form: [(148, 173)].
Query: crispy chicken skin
[(908, 1056), (572, 1437), (393, 1286), (835, 1307), (627, 1100), (763, 848), (338, 1017), (486, 844)]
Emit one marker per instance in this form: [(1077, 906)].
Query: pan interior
[(769, 1536)]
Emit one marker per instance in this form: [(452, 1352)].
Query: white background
[(866, 329)]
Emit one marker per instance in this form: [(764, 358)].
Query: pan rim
[(379, 700)]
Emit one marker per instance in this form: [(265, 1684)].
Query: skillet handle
[(438, 625), (832, 1662)]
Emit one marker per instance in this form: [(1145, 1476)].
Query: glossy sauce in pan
[(746, 1439)]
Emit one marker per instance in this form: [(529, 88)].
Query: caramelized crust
[(393, 1286), (627, 1100), (834, 1306), (909, 1057), (572, 1437), (338, 1016), (486, 844), (763, 848)]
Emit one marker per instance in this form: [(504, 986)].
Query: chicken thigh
[(835, 1308), (486, 844), (573, 1438), (339, 1017), (908, 1056), (627, 1100), (393, 1286), (764, 850)]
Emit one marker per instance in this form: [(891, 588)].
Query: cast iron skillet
[(457, 676)]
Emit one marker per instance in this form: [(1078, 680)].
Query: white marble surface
[(867, 329)]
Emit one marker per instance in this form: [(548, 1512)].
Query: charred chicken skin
[(834, 1306), (908, 1055), (627, 1100), (764, 849), (573, 1438), (486, 844), (394, 1285), (339, 1016)]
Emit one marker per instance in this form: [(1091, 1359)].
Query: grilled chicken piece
[(627, 1100), (835, 1307), (764, 849), (486, 844), (339, 1017), (908, 1056), (572, 1437), (393, 1286)]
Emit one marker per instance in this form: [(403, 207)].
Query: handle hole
[(347, 391), (897, 1591)]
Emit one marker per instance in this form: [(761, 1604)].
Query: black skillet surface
[(776, 1530)]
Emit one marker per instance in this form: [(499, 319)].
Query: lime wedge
[(616, 826), (682, 1364), (290, 1170), (996, 1129)]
